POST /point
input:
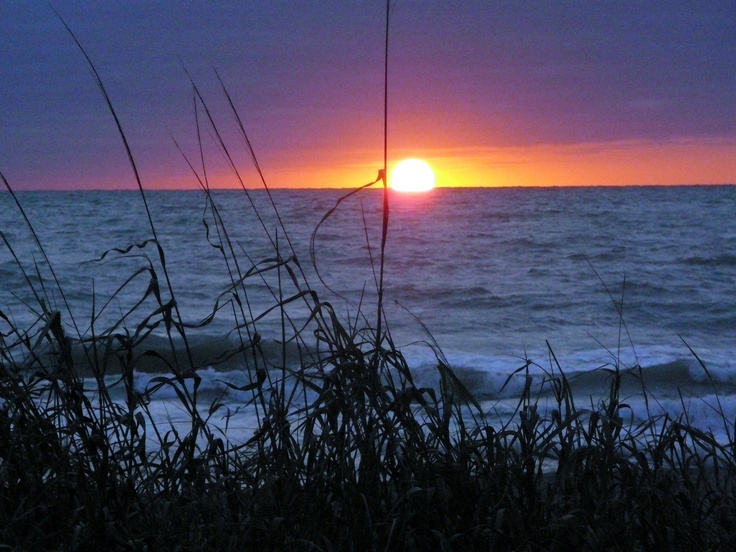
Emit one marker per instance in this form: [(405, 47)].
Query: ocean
[(492, 279)]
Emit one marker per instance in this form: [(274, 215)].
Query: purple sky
[(486, 82)]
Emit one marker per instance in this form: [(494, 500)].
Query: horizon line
[(377, 187)]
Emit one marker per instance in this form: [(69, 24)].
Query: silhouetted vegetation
[(348, 453)]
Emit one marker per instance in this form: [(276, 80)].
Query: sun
[(412, 175)]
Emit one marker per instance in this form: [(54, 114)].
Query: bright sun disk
[(412, 175)]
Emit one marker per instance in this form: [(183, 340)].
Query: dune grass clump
[(348, 452)]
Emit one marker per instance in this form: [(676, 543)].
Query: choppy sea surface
[(643, 278)]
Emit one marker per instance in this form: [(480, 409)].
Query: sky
[(488, 92)]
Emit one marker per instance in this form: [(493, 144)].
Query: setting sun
[(412, 175)]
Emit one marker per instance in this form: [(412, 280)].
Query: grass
[(348, 454)]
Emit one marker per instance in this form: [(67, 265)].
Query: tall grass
[(349, 453)]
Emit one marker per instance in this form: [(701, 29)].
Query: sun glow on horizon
[(412, 175)]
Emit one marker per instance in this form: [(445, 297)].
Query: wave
[(159, 355), (721, 260), (590, 374), (674, 386)]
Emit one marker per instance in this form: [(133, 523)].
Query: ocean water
[(642, 278)]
